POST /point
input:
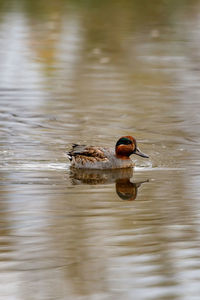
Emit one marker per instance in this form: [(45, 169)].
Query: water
[(90, 72)]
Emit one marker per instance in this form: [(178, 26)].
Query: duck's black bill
[(138, 152)]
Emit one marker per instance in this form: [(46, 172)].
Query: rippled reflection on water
[(90, 73)]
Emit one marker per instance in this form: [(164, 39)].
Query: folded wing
[(82, 153)]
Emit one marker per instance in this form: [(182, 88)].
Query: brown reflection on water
[(80, 240), (114, 246), (125, 189)]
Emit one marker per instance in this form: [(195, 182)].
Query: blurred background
[(75, 71)]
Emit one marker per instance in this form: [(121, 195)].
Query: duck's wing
[(87, 153)]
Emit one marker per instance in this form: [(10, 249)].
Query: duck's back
[(91, 157)]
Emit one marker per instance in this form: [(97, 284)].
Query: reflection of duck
[(125, 189), (90, 157)]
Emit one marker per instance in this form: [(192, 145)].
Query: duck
[(94, 157)]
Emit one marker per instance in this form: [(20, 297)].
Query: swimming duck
[(92, 157)]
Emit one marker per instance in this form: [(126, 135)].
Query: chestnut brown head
[(126, 146)]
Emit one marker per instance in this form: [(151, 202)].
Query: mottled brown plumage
[(87, 153), (92, 157)]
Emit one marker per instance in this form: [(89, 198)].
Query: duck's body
[(91, 157)]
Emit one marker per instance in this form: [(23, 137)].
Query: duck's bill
[(138, 152)]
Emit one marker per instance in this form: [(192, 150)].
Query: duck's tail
[(70, 153)]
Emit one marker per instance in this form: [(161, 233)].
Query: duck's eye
[(124, 141)]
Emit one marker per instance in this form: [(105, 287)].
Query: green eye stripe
[(124, 141)]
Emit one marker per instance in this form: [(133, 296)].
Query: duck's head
[(126, 146)]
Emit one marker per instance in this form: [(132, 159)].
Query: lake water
[(90, 72)]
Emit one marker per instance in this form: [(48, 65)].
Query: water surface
[(90, 72)]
